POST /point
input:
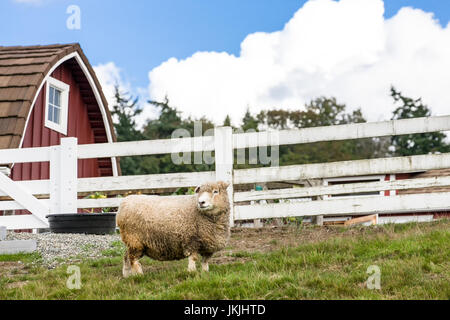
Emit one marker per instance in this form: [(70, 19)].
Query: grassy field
[(271, 263)]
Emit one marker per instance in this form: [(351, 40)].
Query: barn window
[(57, 105)]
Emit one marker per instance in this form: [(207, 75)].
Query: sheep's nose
[(201, 203)]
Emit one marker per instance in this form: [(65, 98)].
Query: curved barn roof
[(22, 73)]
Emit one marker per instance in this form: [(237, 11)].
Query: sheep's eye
[(216, 191)]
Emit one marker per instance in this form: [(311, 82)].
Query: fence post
[(63, 176), (317, 220), (2, 233), (223, 142)]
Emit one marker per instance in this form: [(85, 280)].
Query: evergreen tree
[(124, 112), (321, 112), (249, 122), (227, 121), (168, 121), (420, 143)]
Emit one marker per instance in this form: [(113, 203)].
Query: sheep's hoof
[(191, 269), (136, 269), (127, 274), (132, 270), (126, 271)]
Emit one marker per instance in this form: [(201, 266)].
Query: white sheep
[(173, 228)]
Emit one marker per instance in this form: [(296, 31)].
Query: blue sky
[(140, 35)]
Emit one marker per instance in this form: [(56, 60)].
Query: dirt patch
[(16, 285), (12, 268), (273, 238), (266, 239), (227, 258), (276, 237)]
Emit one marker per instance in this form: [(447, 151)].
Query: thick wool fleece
[(171, 228)]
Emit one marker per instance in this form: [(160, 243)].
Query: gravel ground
[(59, 248)]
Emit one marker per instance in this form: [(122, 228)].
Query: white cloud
[(110, 76), (344, 49)]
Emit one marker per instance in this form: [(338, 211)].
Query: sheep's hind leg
[(131, 264), (193, 257), (205, 263)]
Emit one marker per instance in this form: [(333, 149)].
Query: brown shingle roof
[(22, 70)]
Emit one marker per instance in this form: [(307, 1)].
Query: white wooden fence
[(61, 190)]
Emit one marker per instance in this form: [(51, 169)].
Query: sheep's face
[(212, 197)]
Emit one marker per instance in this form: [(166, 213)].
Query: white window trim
[(355, 179), (97, 95), (65, 89)]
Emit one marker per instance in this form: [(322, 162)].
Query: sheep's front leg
[(192, 260)]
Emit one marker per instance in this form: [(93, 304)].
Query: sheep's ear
[(224, 185), (197, 189)]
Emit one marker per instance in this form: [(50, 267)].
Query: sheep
[(173, 228)]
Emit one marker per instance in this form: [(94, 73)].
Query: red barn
[(47, 93)]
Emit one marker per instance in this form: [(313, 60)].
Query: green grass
[(414, 260), (23, 257)]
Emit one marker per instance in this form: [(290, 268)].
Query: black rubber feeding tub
[(88, 223)]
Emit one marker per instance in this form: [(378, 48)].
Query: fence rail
[(352, 206), (59, 194), (344, 168), (340, 189), (342, 132)]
